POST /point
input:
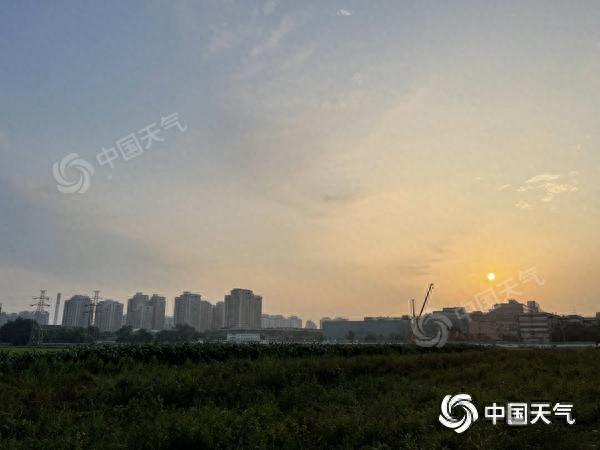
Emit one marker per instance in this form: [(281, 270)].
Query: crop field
[(294, 396)]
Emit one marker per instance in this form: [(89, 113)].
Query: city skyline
[(337, 157), (481, 304)]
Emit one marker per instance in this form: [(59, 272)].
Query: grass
[(28, 349), (371, 400)]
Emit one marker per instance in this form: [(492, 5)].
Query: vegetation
[(286, 396)]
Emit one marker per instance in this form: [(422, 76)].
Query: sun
[(491, 276)]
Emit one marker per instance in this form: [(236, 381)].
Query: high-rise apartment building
[(158, 305), (187, 309), (139, 314), (206, 316), (243, 309), (218, 316), (109, 316), (146, 313), (76, 312)]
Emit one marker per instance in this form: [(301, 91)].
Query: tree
[(182, 333), (124, 334), (17, 332)]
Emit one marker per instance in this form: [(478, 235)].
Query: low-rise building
[(279, 321), (535, 327), (380, 327)]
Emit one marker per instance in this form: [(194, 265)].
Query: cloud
[(543, 177), (504, 187), (345, 12), (286, 25), (523, 205), (548, 184), (554, 189)]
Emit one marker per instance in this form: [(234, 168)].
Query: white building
[(240, 338)]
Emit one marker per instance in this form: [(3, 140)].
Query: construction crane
[(427, 295)]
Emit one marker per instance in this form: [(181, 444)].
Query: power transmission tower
[(92, 308), (37, 332)]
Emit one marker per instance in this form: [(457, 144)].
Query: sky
[(334, 157)]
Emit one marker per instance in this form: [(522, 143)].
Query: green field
[(219, 396), (26, 349)]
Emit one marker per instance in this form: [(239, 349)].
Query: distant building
[(279, 321), (146, 313), (158, 305), (458, 317), (187, 309), (243, 337), (380, 327), (76, 312), (325, 319), (218, 316), (243, 309), (310, 325), (506, 318), (139, 314), (205, 322), (109, 316), (535, 327), (481, 328)]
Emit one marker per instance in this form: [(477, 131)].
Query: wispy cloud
[(286, 25), (345, 12), (543, 177), (549, 185)]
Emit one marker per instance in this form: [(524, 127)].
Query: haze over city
[(334, 157)]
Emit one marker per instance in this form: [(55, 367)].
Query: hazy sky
[(338, 155)]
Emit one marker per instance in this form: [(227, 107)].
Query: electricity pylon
[(37, 332), (92, 308)]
